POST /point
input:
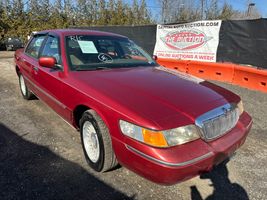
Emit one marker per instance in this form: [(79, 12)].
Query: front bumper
[(172, 165)]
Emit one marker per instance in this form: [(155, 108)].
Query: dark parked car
[(11, 44)]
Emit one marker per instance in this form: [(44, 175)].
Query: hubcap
[(22, 85), (90, 141)]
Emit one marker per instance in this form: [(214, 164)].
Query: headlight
[(240, 107), (166, 138)]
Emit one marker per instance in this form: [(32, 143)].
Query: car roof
[(66, 32)]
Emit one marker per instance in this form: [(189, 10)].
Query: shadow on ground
[(31, 171), (223, 189)]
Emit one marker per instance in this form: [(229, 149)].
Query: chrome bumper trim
[(168, 163)]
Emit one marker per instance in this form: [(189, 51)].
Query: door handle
[(35, 68)]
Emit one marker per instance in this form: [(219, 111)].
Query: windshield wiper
[(91, 69)]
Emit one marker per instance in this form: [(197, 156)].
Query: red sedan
[(162, 124)]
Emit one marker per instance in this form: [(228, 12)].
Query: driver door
[(50, 81)]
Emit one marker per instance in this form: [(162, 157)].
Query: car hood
[(164, 97)]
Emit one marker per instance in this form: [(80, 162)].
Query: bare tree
[(179, 10), (165, 8), (227, 12), (176, 11)]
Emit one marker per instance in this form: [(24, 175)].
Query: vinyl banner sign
[(190, 41)]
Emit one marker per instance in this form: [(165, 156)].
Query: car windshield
[(86, 52)]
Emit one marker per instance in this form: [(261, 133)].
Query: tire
[(96, 142), (26, 93)]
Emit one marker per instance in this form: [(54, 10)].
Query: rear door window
[(35, 45)]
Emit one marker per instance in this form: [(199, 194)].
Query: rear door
[(29, 60)]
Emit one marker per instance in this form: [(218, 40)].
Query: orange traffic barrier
[(227, 72), (212, 71), (250, 78), (181, 65)]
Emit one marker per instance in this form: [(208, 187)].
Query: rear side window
[(35, 45)]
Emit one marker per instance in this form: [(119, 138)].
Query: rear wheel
[(96, 142), (26, 93)]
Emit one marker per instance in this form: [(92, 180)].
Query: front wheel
[(26, 93), (96, 142)]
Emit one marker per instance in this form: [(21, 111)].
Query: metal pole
[(202, 9), (163, 11)]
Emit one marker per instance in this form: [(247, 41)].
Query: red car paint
[(145, 96)]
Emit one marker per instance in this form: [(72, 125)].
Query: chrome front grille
[(218, 121)]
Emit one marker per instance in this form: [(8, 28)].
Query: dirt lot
[(41, 156)]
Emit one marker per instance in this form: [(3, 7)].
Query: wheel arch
[(80, 109), (17, 70), (77, 114)]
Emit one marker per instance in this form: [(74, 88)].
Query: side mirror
[(48, 62), (155, 57)]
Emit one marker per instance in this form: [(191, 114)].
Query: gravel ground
[(41, 156)]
